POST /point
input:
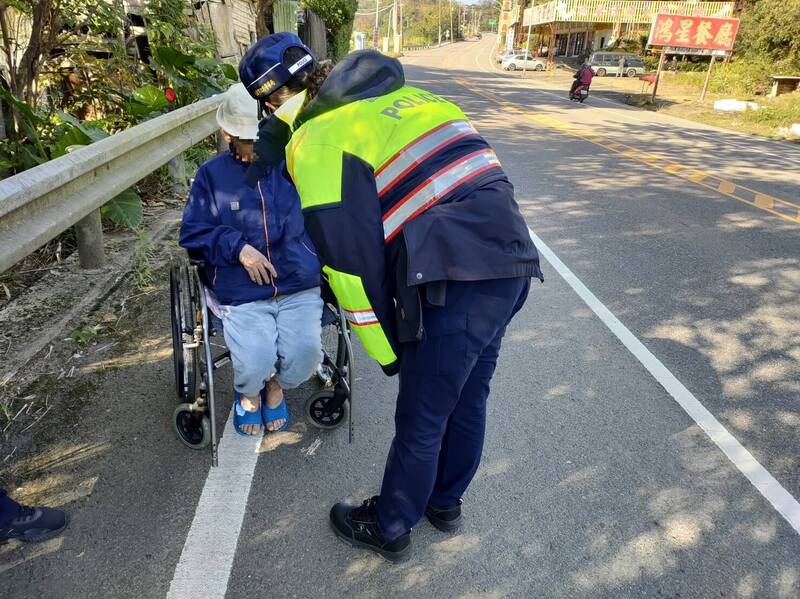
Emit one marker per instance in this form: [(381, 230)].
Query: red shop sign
[(707, 33)]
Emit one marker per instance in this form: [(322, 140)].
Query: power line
[(372, 12)]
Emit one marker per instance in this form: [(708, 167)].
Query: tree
[(264, 18), (34, 32), (771, 29), (338, 16)]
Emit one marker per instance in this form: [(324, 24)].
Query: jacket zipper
[(308, 249), (266, 234)]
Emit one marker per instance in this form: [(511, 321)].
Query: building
[(579, 27), (233, 23)]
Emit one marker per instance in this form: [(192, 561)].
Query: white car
[(522, 61), (503, 54)]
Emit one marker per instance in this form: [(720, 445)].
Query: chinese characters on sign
[(705, 33)]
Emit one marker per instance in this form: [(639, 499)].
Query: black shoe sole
[(392, 556), (444, 525)]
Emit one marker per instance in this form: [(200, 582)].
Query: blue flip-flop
[(269, 415), (242, 417)]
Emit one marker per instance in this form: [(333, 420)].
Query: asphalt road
[(595, 481)]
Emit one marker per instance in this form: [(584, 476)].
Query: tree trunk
[(264, 23), (44, 31)]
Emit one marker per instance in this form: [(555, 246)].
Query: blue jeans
[(280, 336), (440, 417)]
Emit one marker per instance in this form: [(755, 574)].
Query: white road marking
[(207, 557), (208, 553), (786, 505)]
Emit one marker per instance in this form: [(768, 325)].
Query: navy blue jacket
[(223, 214)]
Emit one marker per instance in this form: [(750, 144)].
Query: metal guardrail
[(40, 203)]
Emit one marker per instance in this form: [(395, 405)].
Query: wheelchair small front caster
[(316, 410), (192, 427)]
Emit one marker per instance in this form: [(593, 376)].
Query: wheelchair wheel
[(192, 427), (183, 314), (316, 409), (335, 357)]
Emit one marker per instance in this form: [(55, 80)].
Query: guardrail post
[(89, 231), (222, 143), (177, 172)]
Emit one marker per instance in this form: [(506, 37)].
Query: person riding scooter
[(583, 79)]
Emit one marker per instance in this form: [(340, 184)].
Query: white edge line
[(786, 505), (207, 557)]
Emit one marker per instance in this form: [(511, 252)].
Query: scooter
[(580, 93)]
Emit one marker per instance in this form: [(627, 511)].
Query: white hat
[(238, 113)]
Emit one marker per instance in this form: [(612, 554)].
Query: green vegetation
[(84, 336), (781, 111), (144, 254), (768, 44), (75, 82), (770, 30), (422, 20), (338, 16)]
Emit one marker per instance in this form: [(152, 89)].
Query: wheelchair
[(196, 356)]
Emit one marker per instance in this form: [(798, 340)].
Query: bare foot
[(251, 403), (274, 399)]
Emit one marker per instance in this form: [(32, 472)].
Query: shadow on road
[(594, 483)]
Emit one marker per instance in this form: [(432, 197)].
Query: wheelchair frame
[(193, 327)]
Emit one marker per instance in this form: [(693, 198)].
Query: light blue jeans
[(276, 336)]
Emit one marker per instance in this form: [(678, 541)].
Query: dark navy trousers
[(440, 418), (9, 509)]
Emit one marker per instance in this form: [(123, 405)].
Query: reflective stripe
[(360, 317), (418, 150), (432, 189), (349, 291), (300, 63)]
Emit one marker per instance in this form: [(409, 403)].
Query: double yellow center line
[(781, 208)]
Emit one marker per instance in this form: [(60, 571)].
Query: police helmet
[(263, 69)]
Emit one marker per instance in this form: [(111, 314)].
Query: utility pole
[(528, 42), (527, 51), (394, 27), (376, 33), (439, 15), (452, 33), (401, 26)]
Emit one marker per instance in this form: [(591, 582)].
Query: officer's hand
[(257, 266)]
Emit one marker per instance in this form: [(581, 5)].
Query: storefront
[(579, 27)]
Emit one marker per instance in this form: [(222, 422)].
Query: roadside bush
[(771, 28), (781, 111), (743, 78), (689, 79), (338, 16)]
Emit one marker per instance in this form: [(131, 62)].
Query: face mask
[(270, 148)]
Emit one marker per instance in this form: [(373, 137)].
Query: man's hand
[(257, 266)]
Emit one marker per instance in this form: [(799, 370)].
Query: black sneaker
[(446, 520), (359, 527), (34, 524)]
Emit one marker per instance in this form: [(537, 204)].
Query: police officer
[(425, 248)]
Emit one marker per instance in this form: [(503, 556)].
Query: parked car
[(518, 62), (607, 63), (503, 54)]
